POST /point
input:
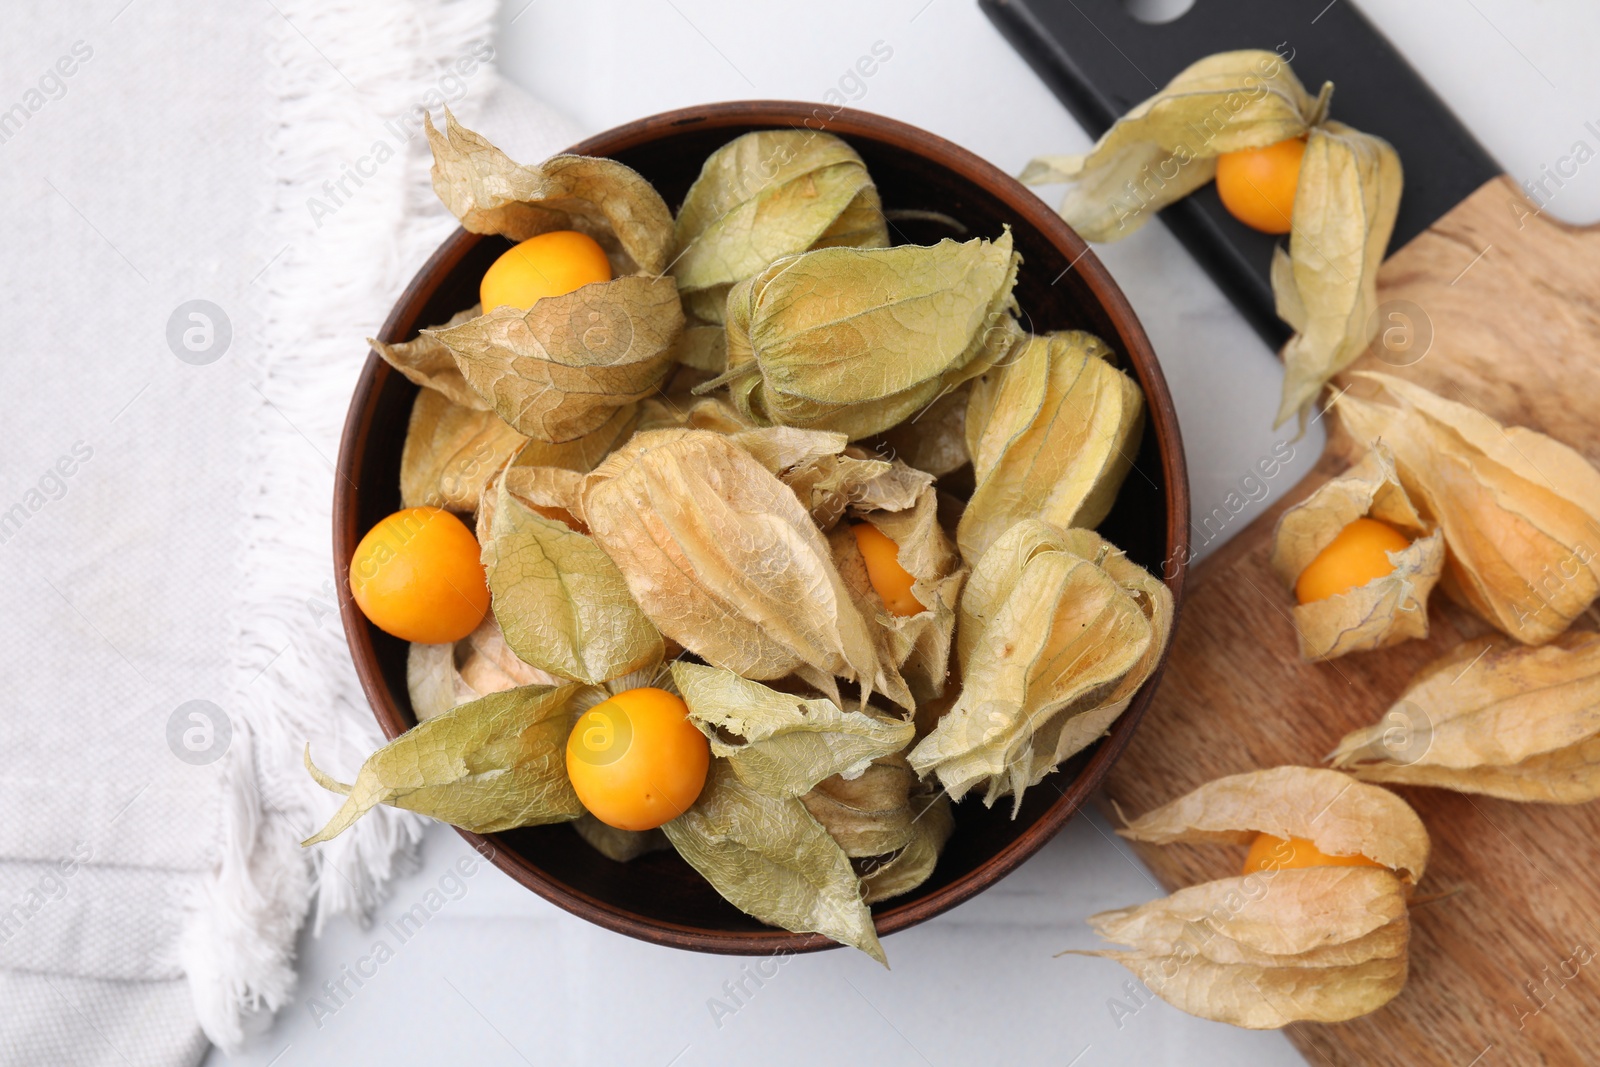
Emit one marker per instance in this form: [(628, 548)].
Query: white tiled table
[(497, 976)]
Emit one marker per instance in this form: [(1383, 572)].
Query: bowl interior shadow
[(1061, 285)]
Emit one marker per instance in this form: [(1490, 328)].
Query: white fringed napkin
[(273, 164)]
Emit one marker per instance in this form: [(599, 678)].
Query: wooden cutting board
[(1505, 970), (1498, 971)]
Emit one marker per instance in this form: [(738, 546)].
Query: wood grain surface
[(1498, 976)]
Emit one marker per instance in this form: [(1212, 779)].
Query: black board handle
[(1100, 61)]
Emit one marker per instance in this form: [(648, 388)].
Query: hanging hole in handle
[(1157, 12)]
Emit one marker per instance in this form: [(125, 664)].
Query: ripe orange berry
[(1269, 853), (1257, 184), (551, 264), (892, 581), (636, 761), (417, 576), (1358, 555)]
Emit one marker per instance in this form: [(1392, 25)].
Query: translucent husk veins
[(1281, 944), (1384, 611), (1346, 198)]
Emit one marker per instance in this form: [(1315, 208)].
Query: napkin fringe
[(238, 949), (343, 75)]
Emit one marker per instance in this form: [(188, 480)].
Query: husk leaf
[(887, 820), (1327, 287), (451, 453), (869, 814), (426, 361), (1322, 944), (439, 677), (857, 340), (562, 604), (703, 346), (1336, 813), (549, 492), (766, 195), (918, 644), (935, 438), (562, 368), (485, 663), (854, 479), (584, 453), (724, 560), (770, 859), (897, 873), (777, 743), (691, 413), (1166, 147), (1384, 611), (1504, 720), (610, 202), (782, 449), (1518, 509), (1056, 631), (1051, 433), (431, 679), (493, 764)]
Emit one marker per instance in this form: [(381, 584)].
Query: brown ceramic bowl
[(658, 897)]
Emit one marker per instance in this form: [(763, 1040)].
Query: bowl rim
[(1030, 211)]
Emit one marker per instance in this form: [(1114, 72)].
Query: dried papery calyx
[(890, 823), (917, 635), (491, 764), (1051, 431), (534, 477), (427, 361), (1327, 283), (439, 677), (849, 479), (562, 603), (805, 765), (452, 452), (1222, 103), (1323, 944), (1495, 718), (1285, 942), (935, 438), (1056, 631), (618, 845), (1336, 813), (564, 367), (766, 195), (1384, 610), (897, 873), (722, 557), (778, 743), (858, 340), (584, 453), (491, 193), (702, 347), (771, 859), (1346, 195), (1520, 511), (844, 486)]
